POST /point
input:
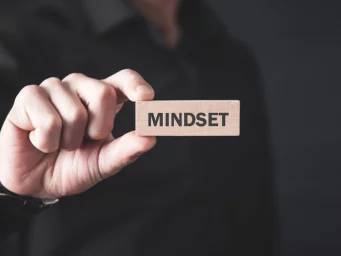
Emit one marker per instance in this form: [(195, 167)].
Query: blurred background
[(297, 44), (298, 47)]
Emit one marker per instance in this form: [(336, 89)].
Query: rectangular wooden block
[(188, 118)]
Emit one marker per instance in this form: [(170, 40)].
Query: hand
[(56, 139)]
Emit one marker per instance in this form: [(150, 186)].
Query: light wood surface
[(188, 118)]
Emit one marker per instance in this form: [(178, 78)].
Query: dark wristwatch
[(25, 205)]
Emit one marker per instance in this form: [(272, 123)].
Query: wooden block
[(188, 118)]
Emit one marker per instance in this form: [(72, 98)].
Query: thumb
[(122, 151)]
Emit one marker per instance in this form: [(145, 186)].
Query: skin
[(56, 140)]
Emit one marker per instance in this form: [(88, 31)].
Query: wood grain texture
[(188, 118)]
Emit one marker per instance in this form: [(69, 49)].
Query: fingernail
[(145, 89)]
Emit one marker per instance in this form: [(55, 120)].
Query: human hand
[(56, 140)]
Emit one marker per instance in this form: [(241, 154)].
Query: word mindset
[(187, 119)]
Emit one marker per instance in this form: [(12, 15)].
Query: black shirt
[(189, 195)]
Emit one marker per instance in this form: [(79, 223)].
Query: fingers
[(71, 110), (59, 114), (130, 85), (122, 151), (32, 111), (100, 101)]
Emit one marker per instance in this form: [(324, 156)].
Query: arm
[(56, 138), (15, 210)]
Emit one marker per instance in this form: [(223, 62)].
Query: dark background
[(298, 47)]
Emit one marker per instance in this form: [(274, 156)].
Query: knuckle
[(52, 81), (77, 115), (51, 123), (130, 74), (26, 94), (29, 90), (74, 76), (105, 93)]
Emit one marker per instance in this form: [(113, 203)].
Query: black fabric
[(188, 196)]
